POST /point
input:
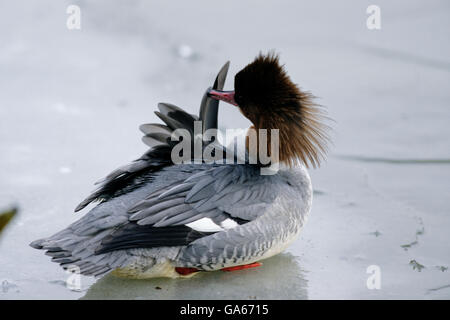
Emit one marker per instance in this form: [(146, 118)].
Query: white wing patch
[(204, 225), (207, 225), (228, 223)]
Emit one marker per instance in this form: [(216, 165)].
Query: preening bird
[(159, 219)]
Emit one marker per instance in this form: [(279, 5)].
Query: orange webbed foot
[(245, 266), (186, 271)]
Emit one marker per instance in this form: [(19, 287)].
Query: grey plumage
[(253, 199), (146, 208)]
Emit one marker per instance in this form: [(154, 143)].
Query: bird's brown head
[(270, 100)]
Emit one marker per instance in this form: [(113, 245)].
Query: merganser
[(150, 221)]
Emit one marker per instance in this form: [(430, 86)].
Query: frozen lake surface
[(71, 103)]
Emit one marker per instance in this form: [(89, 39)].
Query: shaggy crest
[(270, 100)]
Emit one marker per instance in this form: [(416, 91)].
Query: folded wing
[(214, 200)]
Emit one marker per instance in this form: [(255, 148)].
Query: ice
[(65, 170), (184, 51), (9, 286), (71, 102)]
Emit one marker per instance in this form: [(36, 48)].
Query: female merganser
[(150, 221)]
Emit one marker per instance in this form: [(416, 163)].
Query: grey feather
[(154, 218), (160, 136), (173, 124), (182, 187), (154, 127), (209, 107), (151, 142), (183, 218), (147, 211), (166, 108), (199, 191)]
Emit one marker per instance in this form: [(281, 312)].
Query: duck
[(157, 218)]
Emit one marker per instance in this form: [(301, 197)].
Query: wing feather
[(129, 177)]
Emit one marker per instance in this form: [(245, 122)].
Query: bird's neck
[(280, 140)]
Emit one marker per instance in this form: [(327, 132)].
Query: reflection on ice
[(279, 277)]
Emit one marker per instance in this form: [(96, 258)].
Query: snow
[(71, 102)]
